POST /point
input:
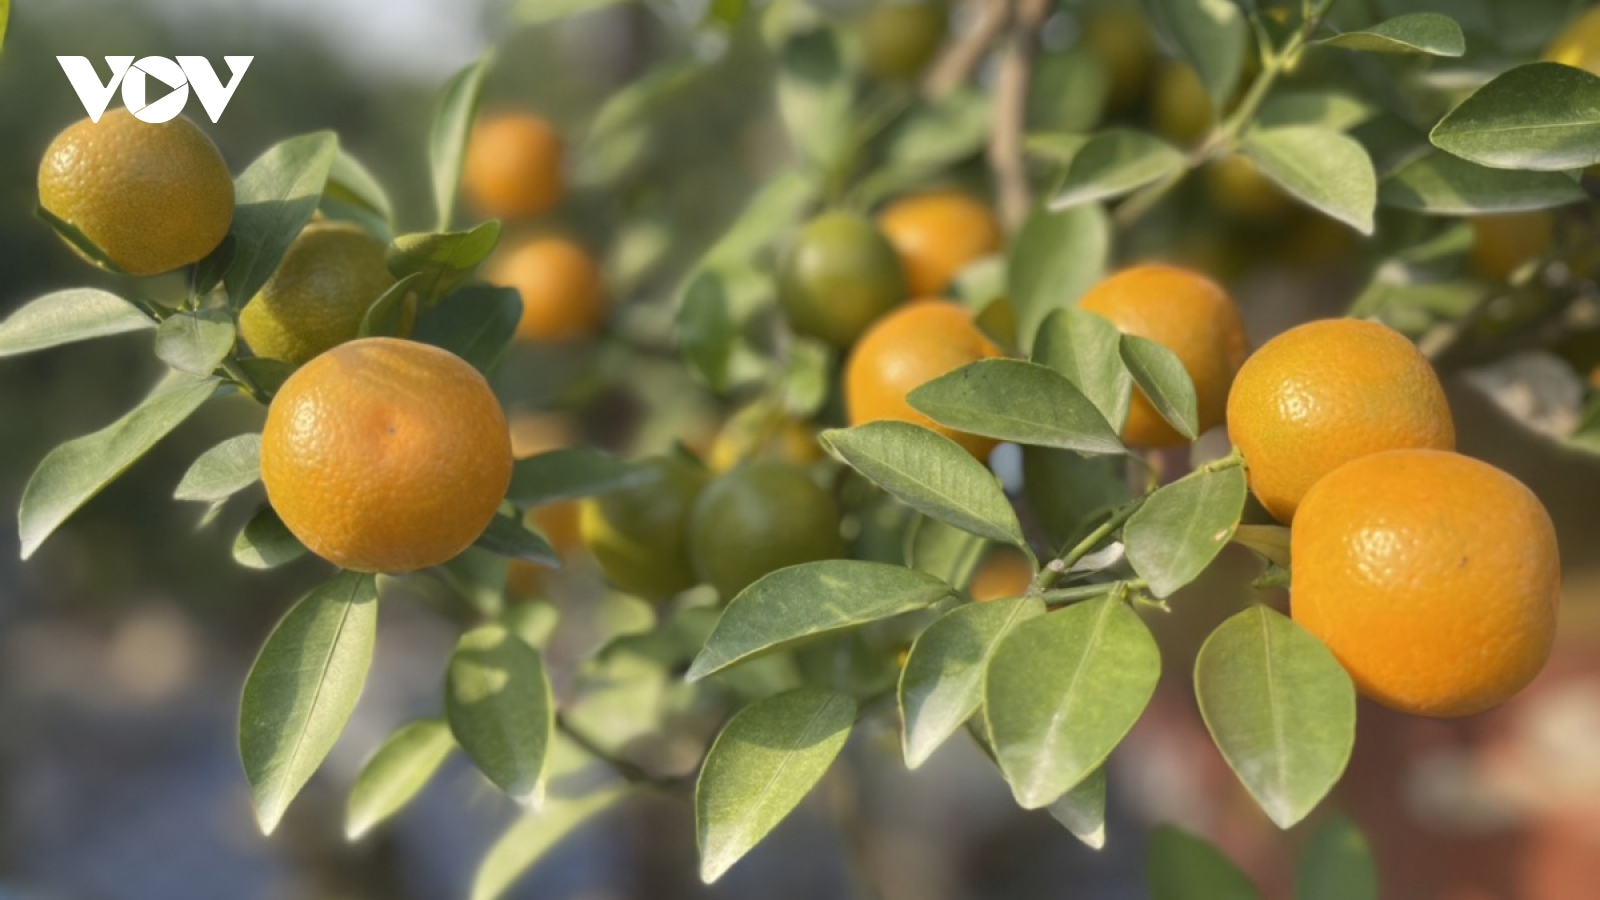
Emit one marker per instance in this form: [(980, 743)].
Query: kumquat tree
[(970, 429)]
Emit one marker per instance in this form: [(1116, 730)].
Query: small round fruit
[(936, 235), (838, 276), (1502, 244), (1187, 313), (384, 455), (906, 349), (761, 432), (1003, 573), (1328, 392), (319, 294), (899, 37), (640, 535), (151, 197), (563, 297), (1578, 44), (758, 518), (1433, 577), (513, 167), (1119, 35), (1180, 108)]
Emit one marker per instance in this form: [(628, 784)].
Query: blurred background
[(124, 642)]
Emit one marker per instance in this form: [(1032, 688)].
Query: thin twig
[(1006, 158), (961, 57)]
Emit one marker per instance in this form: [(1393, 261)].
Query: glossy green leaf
[(815, 94), (533, 835), (395, 774), (930, 473), (303, 687), (1114, 162), (352, 185), (498, 703), (1062, 690), (1164, 381), (1181, 866), (1434, 34), (449, 132), (706, 331), (941, 685), (1337, 864), (65, 317), (475, 323), (1280, 707), (1087, 349), (195, 343), (1055, 257), (265, 542), (1542, 116), (273, 199), (811, 599), (1182, 527), (763, 764), (1211, 35), (441, 260), (77, 240), (541, 12), (1446, 185), (1082, 810), (1325, 169), (569, 473), (73, 473), (943, 551), (222, 471), (1323, 108), (507, 536), (1013, 400), (393, 314)]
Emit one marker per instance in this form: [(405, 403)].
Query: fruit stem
[(1052, 571), (1055, 599)]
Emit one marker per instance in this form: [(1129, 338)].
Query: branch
[(961, 58), (1011, 108)]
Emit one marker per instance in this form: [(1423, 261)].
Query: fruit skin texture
[(1003, 573), (563, 297), (152, 197), (899, 38), (384, 455), (838, 276), (1187, 313), (1501, 244), (640, 536), (318, 295), (905, 350), (1433, 577), (513, 167), (1328, 392), (758, 518), (937, 235)]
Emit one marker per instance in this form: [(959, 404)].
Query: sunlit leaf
[(1082, 810), (533, 835), (64, 317), (395, 773), (273, 200), (449, 132), (1055, 257), (441, 260), (1086, 348), (222, 471), (1114, 162), (498, 703), (195, 343), (1430, 33), (1164, 381), (815, 94), (265, 542), (1325, 169), (1542, 116), (1182, 527), (1013, 400)]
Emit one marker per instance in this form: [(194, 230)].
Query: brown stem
[(961, 57), (1006, 159)]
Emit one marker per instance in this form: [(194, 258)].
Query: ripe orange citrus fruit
[(937, 235), (1433, 577), (898, 38), (384, 455), (640, 535), (1003, 573), (1187, 313), (152, 198), (513, 167), (319, 294), (1502, 244), (838, 276), (563, 297), (1325, 393), (906, 349), (758, 518)]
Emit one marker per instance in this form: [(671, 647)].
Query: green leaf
[(930, 473), (1087, 349), (475, 323), (273, 199), (1181, 866), (71, 474), (441, 260), (943, 551), (1270, 542), (1082, 810), (497, 699), (1446, 185), (1425, 32), (1323, 108), (393, 314), (1054, 259), (1013, 400), (352, 185), (1323, 168), (542, 12), (1541, 116), (222, 471), (195, 343), (1164, 381), (941, 685), (1062, 690), (762, 765), (1057, 146), (303, 687), (65, 317), (394, 774), (941, 133), (770, 212), (815, 94), (706, 331), (570, 473), (449, 132), (811, 599), (508, 537), (1280, 708), (1182, 527), (1114, 162), (1069, 493), (76, 239), (265, 542), (1211, 35), (532, 836), (1337, 865)]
